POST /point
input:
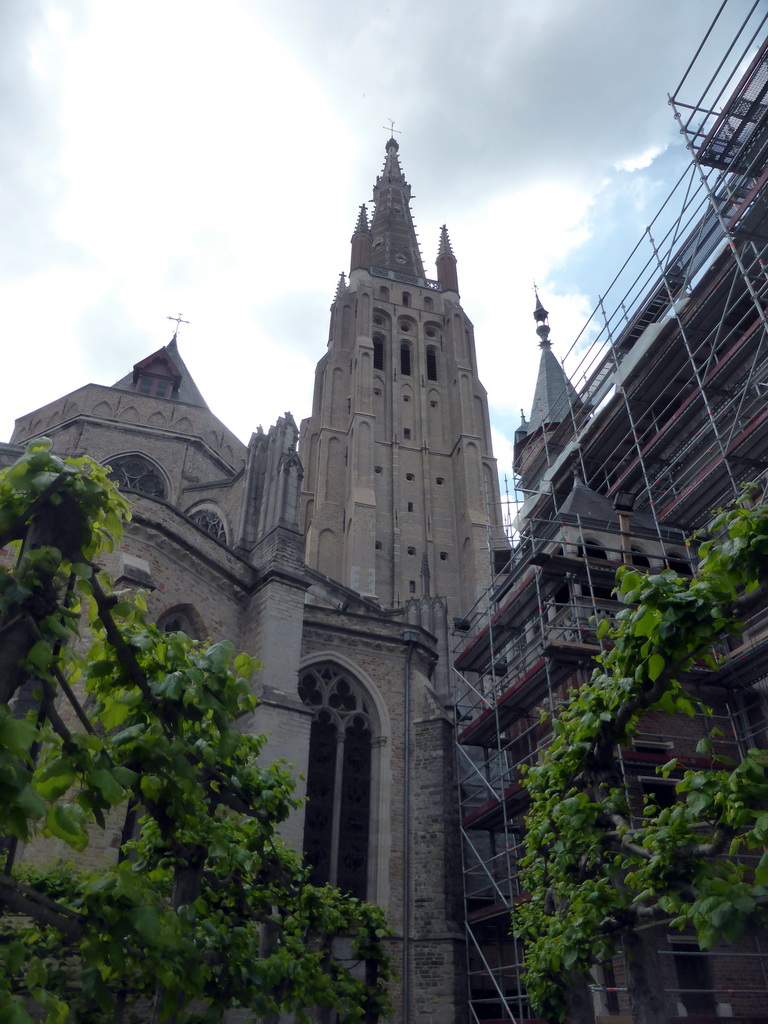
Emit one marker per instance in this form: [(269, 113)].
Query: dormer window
[(156, 376)]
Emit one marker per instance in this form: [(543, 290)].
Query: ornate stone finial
[(541, 316), (341, 286)]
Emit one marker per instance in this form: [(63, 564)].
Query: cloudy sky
[(182, 156)]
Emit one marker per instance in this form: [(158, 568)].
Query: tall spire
[(395, 246), (446, 263)]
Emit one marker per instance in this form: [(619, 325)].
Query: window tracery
[(209, 521), (134, 473), (337, 816)]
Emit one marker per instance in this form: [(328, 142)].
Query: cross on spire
[(391, 128), (178, 322)]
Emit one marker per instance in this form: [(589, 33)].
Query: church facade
[(338, 563)]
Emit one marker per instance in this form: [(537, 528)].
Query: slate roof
[(554, 396)]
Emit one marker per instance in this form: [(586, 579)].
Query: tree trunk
[(647, 1000), (578, 996)]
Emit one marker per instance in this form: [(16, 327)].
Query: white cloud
[(639, 161)]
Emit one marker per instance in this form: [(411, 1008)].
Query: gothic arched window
[(431, 363), (182, 618), (209, 521), (338, 811), (135, 473)]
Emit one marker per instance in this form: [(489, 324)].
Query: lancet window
[(338, 810), (405, 359), (378, 352)]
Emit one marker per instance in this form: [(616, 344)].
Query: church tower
[(401, 495)]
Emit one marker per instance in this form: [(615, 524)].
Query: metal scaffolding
[(668, 405)]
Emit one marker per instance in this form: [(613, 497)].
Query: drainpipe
[(410, 637)]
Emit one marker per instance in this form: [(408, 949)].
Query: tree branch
[(123, 649), (31, 903), (624, 840), (61, 680), (710, 849)]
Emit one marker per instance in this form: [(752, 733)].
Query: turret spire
[(555, 396), (395, 246), (446, 263), (445, 248), (361, 242), (362, 220)]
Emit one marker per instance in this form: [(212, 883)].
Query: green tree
[(594, 876), (204, 908)]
